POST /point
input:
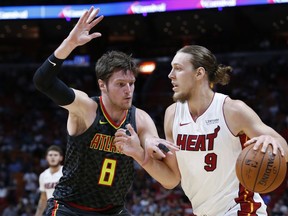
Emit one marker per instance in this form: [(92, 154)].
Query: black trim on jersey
[(133, 113)]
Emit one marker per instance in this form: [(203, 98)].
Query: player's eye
[(177, 68), (121, 84)]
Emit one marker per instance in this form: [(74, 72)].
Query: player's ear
[(102, 85), (200, 73)]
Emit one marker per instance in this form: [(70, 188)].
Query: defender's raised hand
[(80, 34)]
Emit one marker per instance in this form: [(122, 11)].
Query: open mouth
[(174, 86)]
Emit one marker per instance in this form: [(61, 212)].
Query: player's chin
[(127, 104), (54, 165), (175, 96), (178, 97)]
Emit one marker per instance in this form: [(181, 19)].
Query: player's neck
[(115, 113), (55, 169), (200, 103)]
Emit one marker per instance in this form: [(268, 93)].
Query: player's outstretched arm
[(128, 142), (45, 78), (242, 119), (41, 204), (135, 145)]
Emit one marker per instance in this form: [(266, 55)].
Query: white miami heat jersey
[(48, 181), (207, 157)]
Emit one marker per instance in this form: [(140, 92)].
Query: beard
[(127, 105), (178, 97)]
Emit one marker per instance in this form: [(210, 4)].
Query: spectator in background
[(30, 179), (49, 177), (10, 210), (3, 193)]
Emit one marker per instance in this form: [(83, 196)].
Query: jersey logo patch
[(102, 122), (212, 121), (186, 123)]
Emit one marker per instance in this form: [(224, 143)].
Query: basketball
[(260, 172)]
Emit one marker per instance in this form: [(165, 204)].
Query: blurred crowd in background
[(30, 123)]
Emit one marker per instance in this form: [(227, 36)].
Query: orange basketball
[(260, 172)]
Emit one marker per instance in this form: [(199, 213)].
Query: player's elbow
[(171, 184), (39, 82)]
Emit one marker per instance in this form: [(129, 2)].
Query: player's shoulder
[(169, 114), (141, 114), (61, 169), (237, 112), (45, 172), (171, 107), (234, 105), (170, 110)]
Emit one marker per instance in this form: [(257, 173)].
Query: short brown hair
[(112, 61), (55, 148)]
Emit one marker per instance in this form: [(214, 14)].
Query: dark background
[(245, 28)]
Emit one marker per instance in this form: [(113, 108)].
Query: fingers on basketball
[(260, 172)]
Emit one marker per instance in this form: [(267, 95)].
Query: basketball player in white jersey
[(211, 130), (49, 177)]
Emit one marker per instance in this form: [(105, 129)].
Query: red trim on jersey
[(243, 138), (248, 206), (56, 206), (85, 208), (108, 118)]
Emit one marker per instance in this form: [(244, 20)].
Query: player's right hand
[(128, 143)]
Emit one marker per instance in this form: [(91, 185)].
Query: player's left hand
[(263, 141), (157, 148)]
